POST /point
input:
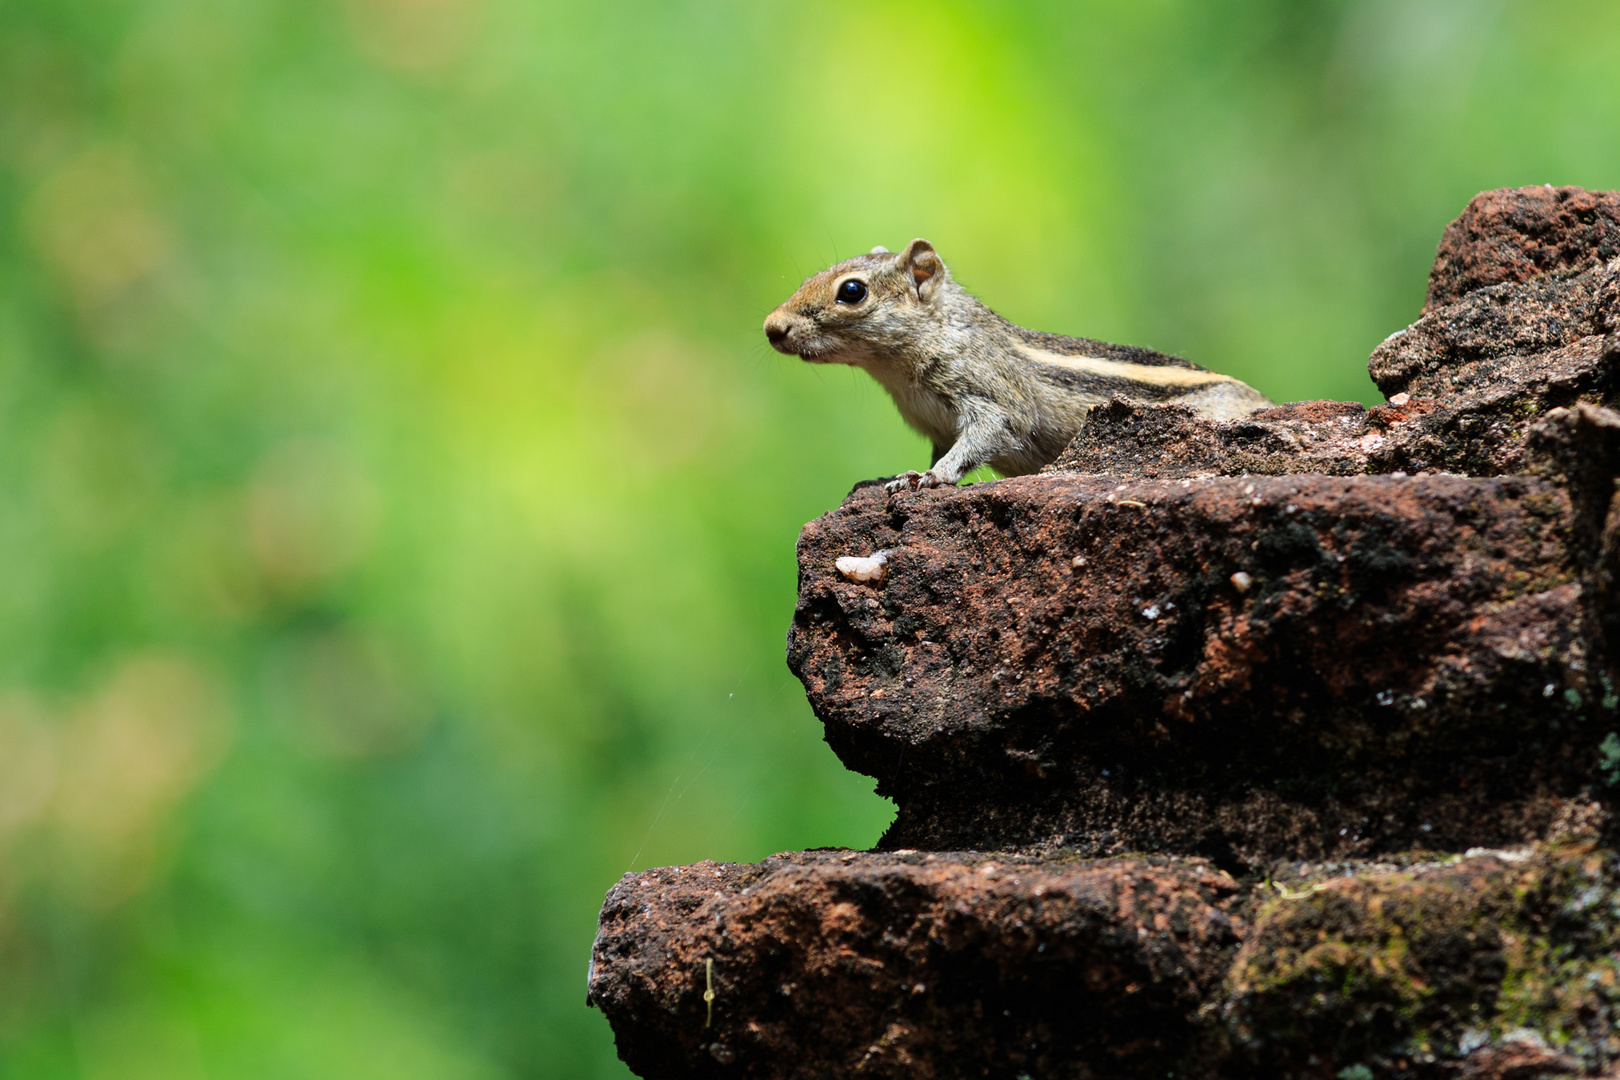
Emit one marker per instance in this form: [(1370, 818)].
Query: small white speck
[(1548, 690), (1241, 581), (869, 568), (1506, 855), (1151, 612)]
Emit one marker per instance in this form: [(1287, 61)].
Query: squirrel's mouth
[(812, 352), (803, 339), (792, 334)]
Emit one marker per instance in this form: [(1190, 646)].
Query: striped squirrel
[(983, 390)]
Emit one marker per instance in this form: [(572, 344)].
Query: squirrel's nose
[(776, 329)]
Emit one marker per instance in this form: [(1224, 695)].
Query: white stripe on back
[(1152, 374)]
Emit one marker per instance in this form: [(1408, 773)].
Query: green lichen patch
[(1400, 968), (1609, 756)]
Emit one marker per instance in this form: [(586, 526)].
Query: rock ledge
[(1279, 747)]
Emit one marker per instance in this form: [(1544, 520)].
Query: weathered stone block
[(1241, 668)]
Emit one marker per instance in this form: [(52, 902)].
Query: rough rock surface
[(1495, 964), (920, 965), (1516, 234), (1491, 362), (1467, 382), (1131, 438), (841, 964), (1074, 660), (1315, 661)]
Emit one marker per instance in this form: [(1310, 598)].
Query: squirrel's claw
[(906, 481), (914, 481)]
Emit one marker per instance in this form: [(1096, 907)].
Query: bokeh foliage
[(397, 500)]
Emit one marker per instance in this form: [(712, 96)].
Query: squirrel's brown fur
[(984, 391)]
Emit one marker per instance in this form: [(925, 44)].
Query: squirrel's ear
[(926, 268)]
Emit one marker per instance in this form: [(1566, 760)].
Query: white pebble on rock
[(870, 568)]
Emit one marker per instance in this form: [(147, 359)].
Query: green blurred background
[(397, 498)]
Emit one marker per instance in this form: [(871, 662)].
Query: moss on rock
[(1409, 969)]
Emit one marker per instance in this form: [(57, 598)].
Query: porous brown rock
[(835, 963), (1130, 438), (1283, 747), (1068, 660), (1495, 360), (1518, 234), (1466, 381), (1489, 966)]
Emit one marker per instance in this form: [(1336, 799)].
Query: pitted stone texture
[(831, 963), (1516, 234), (1128, 438), (1497, 965), (1487, 336), (1064, 659), (1495, 360), (1523, 316), (1478, 375)]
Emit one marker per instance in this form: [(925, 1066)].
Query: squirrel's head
[(863, 307)]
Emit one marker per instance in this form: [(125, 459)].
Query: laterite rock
[(1280, 748), (1065, 660)]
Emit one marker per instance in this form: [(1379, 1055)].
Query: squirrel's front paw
[(904, 482), (914, 481)]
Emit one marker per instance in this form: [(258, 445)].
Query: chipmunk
[(983, 390)]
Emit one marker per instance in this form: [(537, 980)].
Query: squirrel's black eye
[(852, 291)]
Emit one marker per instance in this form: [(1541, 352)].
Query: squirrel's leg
[(982, 436)]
